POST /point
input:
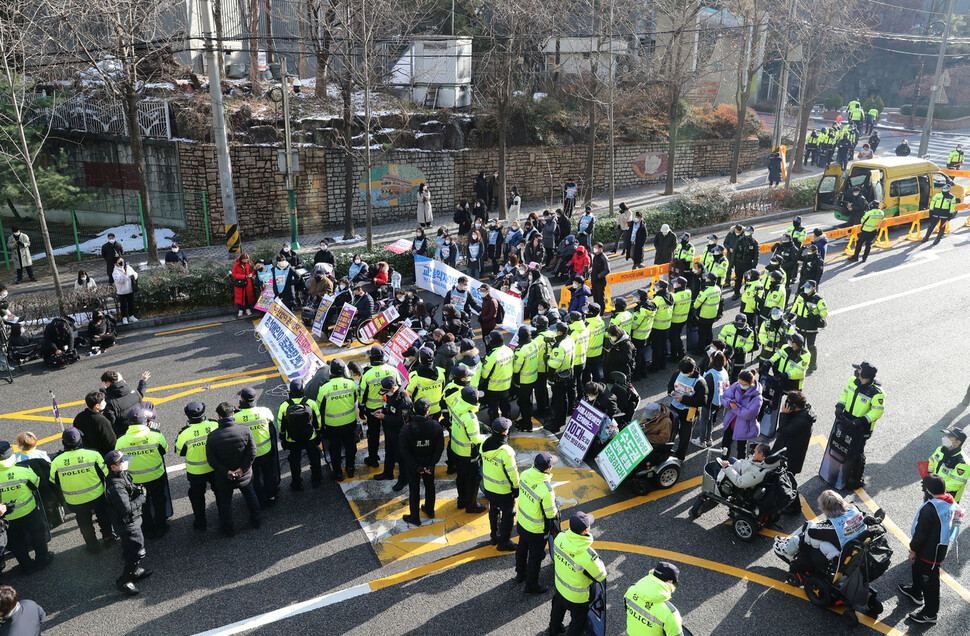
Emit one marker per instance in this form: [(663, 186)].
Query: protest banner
[(342, 327), (399, 246), (266, 298), (623, 454), (438, 278), (321, 315), (378, 322), (289, 343), (582, 429), (399, 343)]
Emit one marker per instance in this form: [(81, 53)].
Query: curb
[(174, 319)]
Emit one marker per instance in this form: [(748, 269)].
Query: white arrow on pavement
[(918, 258)]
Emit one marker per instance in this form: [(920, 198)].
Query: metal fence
[(93, 115)]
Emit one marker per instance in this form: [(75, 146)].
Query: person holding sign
[(501, 483)]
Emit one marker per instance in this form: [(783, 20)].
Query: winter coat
[(445, 356), (19, 248), (488, 317), (111, 251), (601, 269), (638, 238), (365, 307), (580, 299), (774, 169), (121, 398), (744, 419), (659, 428), (285, 283), (746, 254), (425, 215), (580, 261), (514, 208), (122, 279), (664, 244), (244, 296), (422, 442), (319, 288), (231, 447), (124, 498), (563, 227), (794, 434), (25, 619), (86, 286), (902, 150), (96, 429), (619, 356), (534, 253), (549, 231), (481, 187)]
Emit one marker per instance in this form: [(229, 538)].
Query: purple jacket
[(744, 419)]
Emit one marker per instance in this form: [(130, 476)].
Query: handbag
[(134, 284), (239, 282)]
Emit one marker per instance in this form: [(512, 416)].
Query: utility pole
[(924, 140), (783, 89), (288, 147), (230, 220)]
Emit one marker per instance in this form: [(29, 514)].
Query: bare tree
[(249, 20), (124, 45), (319, 19), (754, 17)]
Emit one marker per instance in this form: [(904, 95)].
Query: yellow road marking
[(165, 333), (652, 496)]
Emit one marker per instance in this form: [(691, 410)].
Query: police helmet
[(777, 277), (680, 282), (619, 304), (786, 238), (809, 286), (642, 295), (562, 328), (660, 286), (685, 236), (376, 355), (525, 335), (740, 320), (540, 322), (752, 275), (750, 228), (797, 221), (470, 395), (812, 248), (574, 316), (776, 314), (712, 238), (718, 250), (710, 278), (946, 188)]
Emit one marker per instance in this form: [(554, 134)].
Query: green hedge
[(833, 102), (941, 111), (403, 263), (168, 290)]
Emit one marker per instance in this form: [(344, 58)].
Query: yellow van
[(904, 184)]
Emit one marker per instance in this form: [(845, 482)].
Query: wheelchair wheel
[(640, 486), (745, 527), (360, 335), (695, 510), (850, 618), (818, 592), (668, 476), (874, 607)]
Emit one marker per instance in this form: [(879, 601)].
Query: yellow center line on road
[(165, 333)]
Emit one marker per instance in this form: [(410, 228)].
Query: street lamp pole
[(924, 140), (288, 148)]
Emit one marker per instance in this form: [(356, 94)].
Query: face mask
[(447, 242), (744, 386), (479, 224), (323, 247), (16, 233), (522, 270), (590, 398), (575, 285), (103, 405), (665, 232), (83, 279), (748, 233), (596, 250), (123, 466), (286, 248), (318, 277), (282, 265), (4, 295), (111, 240), (342, 286), (400, 299), (947, 442), (121, 264), (356, 261), (175, 249)]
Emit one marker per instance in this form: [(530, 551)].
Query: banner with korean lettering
[(379, 321), (265, 299), (582, 429), (321, 315), (623, 454), (289, 343), (438, 278), (342, 326)]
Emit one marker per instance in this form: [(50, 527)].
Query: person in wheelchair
[(321, 283), (816, 548), (364, 303), (741, 474), (404, 301), (657, 422), (382, 281)]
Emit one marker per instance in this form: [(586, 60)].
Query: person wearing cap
[(790, 363), (369, 400), (787, 252), (191, 444), (579, 335), (594, 351), (79, 474), (664, 243), (544, 338), (797, 231), (230, 450), (536, 519), (773, 334), (660, 333), (808, 313), (145, 450), (936, 525), (955, 158), (719, 265), (949, 462), (868, 230), (525, 370), (746, 255), (731, 240), (266, 468), (640, 330), (337, 401), (496, 375), (175, 257), (27, 525), (96, 429), (942, 209), (126, 501), (680, 312), (299, 419), (465, 442), (708, 306), (428, 381), (501, 482), (649, 611), (862, 402), (740, 338), (707, 257), (421, 444), (812, 265), (397, 408), (577, 567), (561, 355)]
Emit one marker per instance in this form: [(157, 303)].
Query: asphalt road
[(903, 311)]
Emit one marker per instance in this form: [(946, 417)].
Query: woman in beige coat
[(425, 216)]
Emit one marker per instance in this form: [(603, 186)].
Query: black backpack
[(299, 418), (499, 312)]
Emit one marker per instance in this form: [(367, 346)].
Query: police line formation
[(111, 470)]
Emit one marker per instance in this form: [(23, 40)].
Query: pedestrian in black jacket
[(397, 408), (324, 255), (110, 252), (747, 251), (422, 441), (94, 426), (364, 303), (795, 430), (125, 501), (121, 398), (619, 353), (230, 451), (563, 226), (481, 187), (664, 242), (638, 239), (598, 273)]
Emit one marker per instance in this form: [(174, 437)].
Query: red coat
[(244, 296)]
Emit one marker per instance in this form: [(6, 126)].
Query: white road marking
[(289, 611), (918, 258), (903, 294)]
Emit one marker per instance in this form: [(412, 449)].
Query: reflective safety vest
[(649, 611), (369, 395), (941, 206), (145, 449), (643, 323), (464, 429), (871, 220), (684, 253), (874, 112), (451, 395), (497, 369), (707, 258), (708, 302), (431, 388), (597, 331), (339, 400), (623, 320), (561, 356), (797, 235), (537, 500), (18, 489), (773, 337), (750, 297), (579, 335), (577, 565), (665, 313), (777, 297), (544, 341), (956, 156), (737, 339), (809, 311), (953, 468), (190, 444), (259, 419), (498, 470), (794, 363), (863, 400), (79, 474), (526, 363), (812, 139), (719, 268), (682, 300), (945, 511)]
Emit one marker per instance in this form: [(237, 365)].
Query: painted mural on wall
[(392, 185), (650, 164)]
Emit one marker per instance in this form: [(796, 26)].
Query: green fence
[(79, 232)]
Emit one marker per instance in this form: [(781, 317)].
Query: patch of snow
[(129, 235), (539, 96)]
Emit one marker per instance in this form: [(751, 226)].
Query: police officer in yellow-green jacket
[(79, 475), (427, 381), (580, 335), (773, 334), (560, 362), (496, 377), (27, 529), (465, 442), (949, 462), (649, 611), (536, 519), (862, 403), (659, 334), (525, 370), (543, 338), (868, 230), (641, 327), (790, 363), (266, 467), (190, 444), (337, 401), (708, 307), (577, 567), (145, 449), (740, 338), (751, 299), (681, 311), (594, 352), (501, 482), (942, 209), (369, 399), (299, 419)]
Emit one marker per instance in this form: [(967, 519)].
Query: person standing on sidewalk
[(19, 244), (125, 280), (111, 251), (569, 194), (425, 215), (622, 228)]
